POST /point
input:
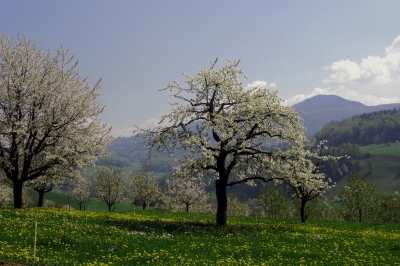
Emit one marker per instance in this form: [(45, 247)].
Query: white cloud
[(260, 83), (301, 97), (373, 70), (375, 80)]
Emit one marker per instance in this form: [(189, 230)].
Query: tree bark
[(187, 207), (303, 210), (17, 190), (41, 198), (222, 202)]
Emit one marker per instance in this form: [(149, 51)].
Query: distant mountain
[(322, 109)]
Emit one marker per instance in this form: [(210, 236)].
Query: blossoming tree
[(109, 186), (143, 187), (304, 175), (230, 130), (186, 190), (48, 114)]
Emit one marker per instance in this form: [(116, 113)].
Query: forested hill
[(369, 128), (321, 109)]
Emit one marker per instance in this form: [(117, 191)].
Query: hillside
[(322, 109), (370, 128), (384, 170)]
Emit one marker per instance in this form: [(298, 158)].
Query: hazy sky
[(301, 48)]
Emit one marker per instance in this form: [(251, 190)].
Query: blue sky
[(301, 48)]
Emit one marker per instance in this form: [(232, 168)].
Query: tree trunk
[(187, 207), (222, 202), (109, 207), (41, 198), (303, 210), (17, 191), (144, 205)]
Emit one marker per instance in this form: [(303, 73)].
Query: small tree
[(274, 202), (305, 176), (80, 192), (109, 186), (48, 115), (44, 184), (370, 166), (359, 199), (6, 192), (313, 208), (144, 188), (236, 207), (187, 190)]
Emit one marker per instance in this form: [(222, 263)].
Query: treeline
[(113, 161), (370, 128), (133, 150)]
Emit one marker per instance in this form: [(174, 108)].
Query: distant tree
[(80, 191), (187, 190), (236, 207), (6, 192), (48, 115), (370, 165), (143, 187), (229, 129), (359, 200), (113, 161), (274, 202), (389, 208), (109, 186)]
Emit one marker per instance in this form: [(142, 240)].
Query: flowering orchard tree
[(186, 190), (48, 114), (144, 188), (109, 186), (42, 185), (305, 176), (80, 191), (230, 130)]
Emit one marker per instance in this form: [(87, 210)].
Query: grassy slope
[(386, 169)]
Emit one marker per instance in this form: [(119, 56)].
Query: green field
[(387, 149), (385, 174), (167, 238)]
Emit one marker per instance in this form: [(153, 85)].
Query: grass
[(385, 174), (167, 238), (388, 149)]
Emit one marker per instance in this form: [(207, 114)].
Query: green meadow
[(151, 237)]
